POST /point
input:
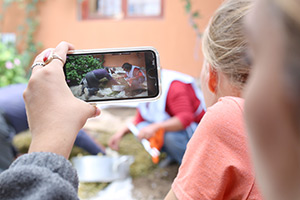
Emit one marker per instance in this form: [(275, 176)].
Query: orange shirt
[(216, 164)]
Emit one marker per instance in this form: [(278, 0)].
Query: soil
[(155, 185)]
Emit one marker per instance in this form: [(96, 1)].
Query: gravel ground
[(156, 184)]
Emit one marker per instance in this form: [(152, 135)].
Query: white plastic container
[(102, 168)]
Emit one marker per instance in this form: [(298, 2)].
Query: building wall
[(118, 61), (171, 35)]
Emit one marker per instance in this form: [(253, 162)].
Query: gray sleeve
[(39, 175)]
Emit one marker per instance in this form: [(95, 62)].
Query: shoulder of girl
[(226, 113), (227, 105)]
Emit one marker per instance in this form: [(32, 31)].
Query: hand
[(148, 131), (115, 141), (54, 115)]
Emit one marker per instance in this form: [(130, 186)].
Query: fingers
[(140, 136), (143, 134), (37, 64), (114, 143), (61, 51), (63, 48), (40, 57)]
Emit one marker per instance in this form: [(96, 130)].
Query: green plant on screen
[(78, 66)]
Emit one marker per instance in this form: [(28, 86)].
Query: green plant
[(11, 69), (193, 15), (78, 66), (26, 30)]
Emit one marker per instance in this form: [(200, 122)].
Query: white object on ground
[(120, 189), (111, 153)]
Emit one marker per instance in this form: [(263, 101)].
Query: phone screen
[(118, 75)]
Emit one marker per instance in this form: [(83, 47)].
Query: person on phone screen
[(13, 120), (178, 112), (96, 79), (134, 76)]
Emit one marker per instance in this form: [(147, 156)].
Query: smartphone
[(114, 75)]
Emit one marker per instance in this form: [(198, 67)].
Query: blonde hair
[(224, 45)]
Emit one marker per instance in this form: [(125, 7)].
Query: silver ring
[(55, 56), (36, 64)]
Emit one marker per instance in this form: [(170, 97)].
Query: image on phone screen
[(112, 75)]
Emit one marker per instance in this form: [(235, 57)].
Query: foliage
[(28, 29), (193, 15), (11, 69), (78, 66), (25, 34)]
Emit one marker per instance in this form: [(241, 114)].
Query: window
[(8, 38), (120, 9), (146, 8)]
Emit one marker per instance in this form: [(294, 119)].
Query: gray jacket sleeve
[(39, 176)]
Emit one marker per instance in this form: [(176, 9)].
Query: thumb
[(90, 111), (95, 111)]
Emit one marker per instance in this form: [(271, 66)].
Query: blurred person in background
[(178, 112), (13, 120)]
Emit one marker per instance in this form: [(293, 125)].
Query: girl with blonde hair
[(217, 164)]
